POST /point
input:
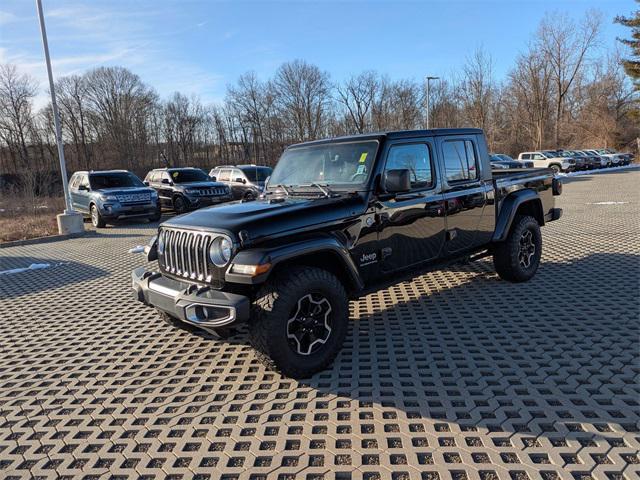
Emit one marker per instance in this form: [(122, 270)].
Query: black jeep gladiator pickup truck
[(335, 218)]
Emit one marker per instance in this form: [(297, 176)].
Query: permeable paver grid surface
[(449, 375)]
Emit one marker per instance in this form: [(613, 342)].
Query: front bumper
[(198, 305), (119, 212), (198, 202)]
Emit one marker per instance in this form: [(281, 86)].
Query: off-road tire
[(271, 312), (249, 196), (556, 168), (179, 204), (506, 255), (96, 219)]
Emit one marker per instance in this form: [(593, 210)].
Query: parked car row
[(575, 160), (563, 160), (107, 196)]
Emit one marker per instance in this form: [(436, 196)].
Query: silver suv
[(246, 181)]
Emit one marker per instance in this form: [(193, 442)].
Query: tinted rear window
[(188, 175), (114, 180), (256, 174)]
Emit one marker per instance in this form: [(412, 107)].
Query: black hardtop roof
[(394, 134)]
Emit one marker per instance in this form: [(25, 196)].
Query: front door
[(412, 226)]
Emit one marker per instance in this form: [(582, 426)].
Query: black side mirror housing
[(240, 180), (83, 187), (213, 179), (146, 183), (396, 181), (166, 181)]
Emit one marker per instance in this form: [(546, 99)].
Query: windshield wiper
[(323, 188)]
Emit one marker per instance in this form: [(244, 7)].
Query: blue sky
[(199, 47)]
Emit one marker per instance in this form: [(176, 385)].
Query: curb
[(49, 239)]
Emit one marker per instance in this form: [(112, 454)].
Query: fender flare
[(508, 211), (279, 254)]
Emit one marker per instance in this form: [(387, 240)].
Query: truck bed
[(511, 180)]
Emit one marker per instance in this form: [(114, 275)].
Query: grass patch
[(22, 219)]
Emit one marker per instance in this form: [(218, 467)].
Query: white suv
[(549, 159)]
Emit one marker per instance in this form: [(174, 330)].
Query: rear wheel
[(96, 219), (299, 321), (518, 257), (249, 196)]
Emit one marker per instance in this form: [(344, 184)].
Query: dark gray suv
[(246, 181), (186, 188)]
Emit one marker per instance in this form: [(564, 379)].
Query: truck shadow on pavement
[(58, 273), (554, 357)]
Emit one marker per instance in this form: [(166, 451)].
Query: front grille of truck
[(133, 198), (186, 256)]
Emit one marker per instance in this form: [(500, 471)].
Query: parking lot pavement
[(449, 375)]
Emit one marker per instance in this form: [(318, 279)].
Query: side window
[(416, 158), (165, 175), (537, 156), (224, 175), (73, 183), (459, 160), (84, 181), (237, 173), (526, 156)]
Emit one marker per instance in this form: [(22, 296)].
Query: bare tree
[(357, 96), (73, 101), (565, 46), (477, 90), (303, 95), (17, 92)]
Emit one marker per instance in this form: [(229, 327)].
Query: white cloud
[(83, 36), (7, 17)]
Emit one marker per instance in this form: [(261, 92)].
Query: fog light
[(251, 270)]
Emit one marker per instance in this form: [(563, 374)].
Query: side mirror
[(213, 179), (166, 181), (83, 187), (240, 180), (146, 183), (396, 181)]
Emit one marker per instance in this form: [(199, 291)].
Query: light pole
[(428, 97), (70, 221)]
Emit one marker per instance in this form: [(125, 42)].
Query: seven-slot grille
[(211, 191), (126, 198), (185, 254)]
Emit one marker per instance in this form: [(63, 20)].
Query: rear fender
[(509, 209)]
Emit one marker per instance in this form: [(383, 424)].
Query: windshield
[(188, 175), (550, 153), (256, 174), (347, 164), (566, 154), (98, 181), (505, 157)]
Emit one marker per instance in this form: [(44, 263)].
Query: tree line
[(562, 91)]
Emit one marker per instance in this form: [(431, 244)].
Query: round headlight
[(220, 251)]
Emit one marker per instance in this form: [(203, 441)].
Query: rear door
[(466, 193), (83, 195), (412, 223)]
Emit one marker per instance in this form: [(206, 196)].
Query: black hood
[(268, 217)]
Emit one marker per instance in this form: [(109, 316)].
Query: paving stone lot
[(451, 375)]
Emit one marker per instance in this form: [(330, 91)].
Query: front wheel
[(555, 168), (96, 219), (299, 321), (179, 204), (518, 257)]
